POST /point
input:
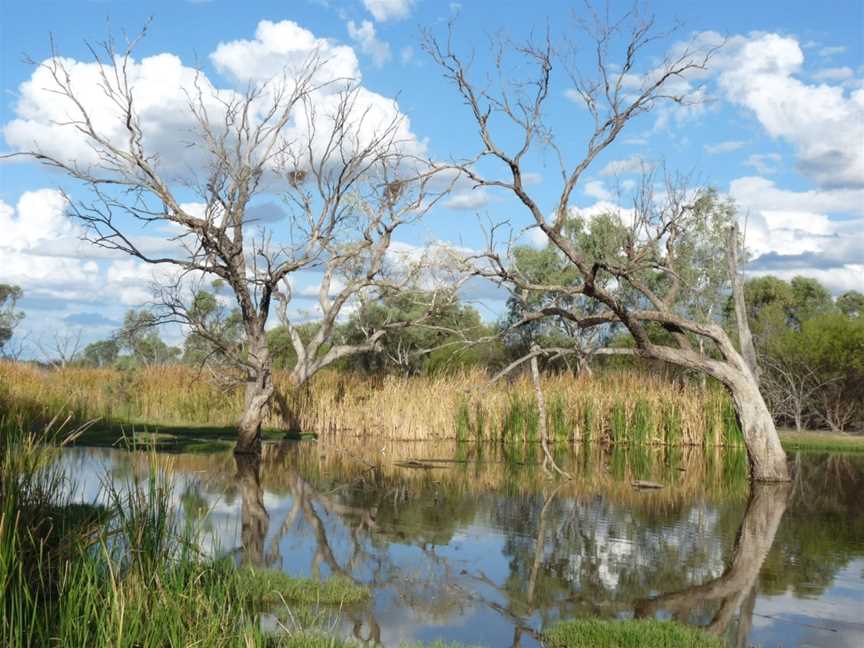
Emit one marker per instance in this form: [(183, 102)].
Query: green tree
[(9, 317), (851, 303), (216, 332), (103, 353), (407, 349), (139, 338)]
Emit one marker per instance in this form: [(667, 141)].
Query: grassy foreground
[(643, 633), (126, 574), (616, 407)]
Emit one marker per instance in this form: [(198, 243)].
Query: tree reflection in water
[(424, 538), (735, 589)]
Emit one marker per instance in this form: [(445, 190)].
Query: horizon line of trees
[(810, 345)]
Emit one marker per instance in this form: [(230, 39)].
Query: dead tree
[(639, 283), (348, 180)]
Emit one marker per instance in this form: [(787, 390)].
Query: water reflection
[(472, 543), (735, 589)]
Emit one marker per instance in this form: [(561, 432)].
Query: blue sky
[(781, 129)]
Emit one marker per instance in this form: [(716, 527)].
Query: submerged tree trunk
[(764, 451), (259, 394)]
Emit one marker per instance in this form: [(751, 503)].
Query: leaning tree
[(345, 172), (642, 282)]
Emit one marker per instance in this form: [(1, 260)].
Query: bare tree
[(64, 348), (347, 181), (639, 281), (792, 388)]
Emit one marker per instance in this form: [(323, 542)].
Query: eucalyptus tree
[(346, 176), (9, 316), (638, 285)]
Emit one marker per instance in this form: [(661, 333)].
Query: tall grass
[(123, 575), (621, 407)]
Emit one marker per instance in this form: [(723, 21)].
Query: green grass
[(821, 441), (128, 575), (276, 586), (643, 633)]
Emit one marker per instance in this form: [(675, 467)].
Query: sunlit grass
[(645, 633), (175, 406)]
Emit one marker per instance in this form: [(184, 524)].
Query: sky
[(779, 126)]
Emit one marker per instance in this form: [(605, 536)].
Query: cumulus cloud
[(724, 147), (760, 72), (791, 233), (58, 272), (753, 192), (161, 85), (764, 163), (632, 164), (280, 46), (468, 200), (364, 35), (384, 10)]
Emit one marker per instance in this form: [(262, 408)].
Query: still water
[(476, 544)]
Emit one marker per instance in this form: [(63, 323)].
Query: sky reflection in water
[(483, 549)]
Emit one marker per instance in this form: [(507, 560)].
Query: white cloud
[(406, 54), (160, 86), (790, 233), (821, 121), (42, 252), (833, 74), (364, 35), (468, 200), (384, 10), (764, 163), (632, 164), (828, 52), (724, 147), (280, 46), (535, 237), (753, 192), (596, 189)]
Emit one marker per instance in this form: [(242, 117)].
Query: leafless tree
[(347, 181), (639, 282), (791, 389), (64, 348)]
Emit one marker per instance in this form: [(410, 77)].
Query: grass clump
[(275, 586), (642, 633)]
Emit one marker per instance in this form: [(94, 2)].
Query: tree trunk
[(764, 451), (745, 337), (259, 393)]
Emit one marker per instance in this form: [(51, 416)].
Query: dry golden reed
[(617, 407)]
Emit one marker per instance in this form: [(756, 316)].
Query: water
[(476, 544)]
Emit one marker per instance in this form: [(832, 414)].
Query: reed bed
[(611, 407)]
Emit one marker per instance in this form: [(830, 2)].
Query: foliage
[(440, 327), (811, 352), (9, 317), (642, 633)]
